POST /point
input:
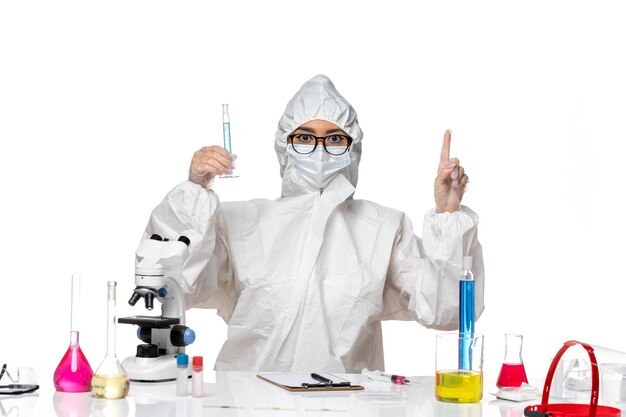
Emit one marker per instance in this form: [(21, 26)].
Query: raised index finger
[(445, 149)]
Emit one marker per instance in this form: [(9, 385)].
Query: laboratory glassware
[(110, 380), (466, 312), (512, 372), (456, 385), (182, 379), (73, 373), (197, 377), (227, 139)]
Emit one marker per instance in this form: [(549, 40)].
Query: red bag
[(572, 410)]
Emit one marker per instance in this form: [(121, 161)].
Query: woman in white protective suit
[(304, 281)]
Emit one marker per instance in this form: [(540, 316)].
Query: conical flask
[(512, 372), (110, 380), (73, 374)]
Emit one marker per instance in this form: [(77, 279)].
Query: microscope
[(158, 264)]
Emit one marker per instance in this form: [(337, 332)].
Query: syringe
[(383, 377)]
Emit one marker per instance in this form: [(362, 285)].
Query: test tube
[(226, 124), (227, 140), (466, 314)]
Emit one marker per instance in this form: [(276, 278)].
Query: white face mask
[(317, 168)]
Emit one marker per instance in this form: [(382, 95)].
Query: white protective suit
[(304, 281)]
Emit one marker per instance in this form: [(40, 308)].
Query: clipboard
[(303, 382)]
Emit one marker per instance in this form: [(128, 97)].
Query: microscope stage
[(150, 321)]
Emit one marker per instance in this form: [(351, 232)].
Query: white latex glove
[(451, 180), (209, 162)]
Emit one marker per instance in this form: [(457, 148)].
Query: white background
[(102, 105)]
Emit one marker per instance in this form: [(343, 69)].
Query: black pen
[(321, 379)]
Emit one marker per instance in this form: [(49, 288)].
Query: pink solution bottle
[(73, 374), (512, 372)]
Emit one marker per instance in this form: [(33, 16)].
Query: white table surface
[(243, 394)]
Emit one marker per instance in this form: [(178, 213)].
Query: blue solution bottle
[(466, 314)]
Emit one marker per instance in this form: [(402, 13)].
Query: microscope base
[(159, 369)]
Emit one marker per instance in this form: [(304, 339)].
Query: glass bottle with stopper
[(110, 380), (73, 374)]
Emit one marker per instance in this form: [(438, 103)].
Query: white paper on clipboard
[(295, 380), (301, 382)]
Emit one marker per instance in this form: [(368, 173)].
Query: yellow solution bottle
[(110, 381)]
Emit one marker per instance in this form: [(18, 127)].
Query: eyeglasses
[(20, 382), (333, 144)]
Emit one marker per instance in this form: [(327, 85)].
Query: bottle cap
[(182, 360), (197, 361), (467, 263)]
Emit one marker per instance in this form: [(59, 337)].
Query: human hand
[(209, 162), (451, 180)]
